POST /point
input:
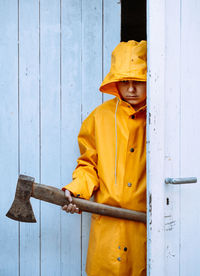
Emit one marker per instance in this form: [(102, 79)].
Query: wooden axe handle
[(56, 196)]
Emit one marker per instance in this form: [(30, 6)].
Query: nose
[(131, 87)]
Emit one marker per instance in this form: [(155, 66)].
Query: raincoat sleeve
[(85, 178)]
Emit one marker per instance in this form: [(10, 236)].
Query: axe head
[(21, 208)]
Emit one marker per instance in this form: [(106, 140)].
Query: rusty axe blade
[(21, 208)]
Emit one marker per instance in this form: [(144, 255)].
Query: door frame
[(155, 136)]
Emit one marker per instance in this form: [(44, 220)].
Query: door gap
[(133, 20)]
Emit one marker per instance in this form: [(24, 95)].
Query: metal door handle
[(181, 180)]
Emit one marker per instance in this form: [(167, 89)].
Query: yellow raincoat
[(113, 163)]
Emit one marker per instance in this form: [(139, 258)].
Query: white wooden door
[(173, 137)]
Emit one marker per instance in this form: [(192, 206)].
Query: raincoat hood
[(128, 62)]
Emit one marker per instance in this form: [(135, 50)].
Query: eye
[(124, 82), (140, 83)]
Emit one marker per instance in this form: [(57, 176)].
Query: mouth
[(131, 97)]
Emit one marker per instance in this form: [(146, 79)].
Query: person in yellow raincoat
[(112, 166)]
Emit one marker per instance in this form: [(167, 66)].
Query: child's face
[(133, 92)]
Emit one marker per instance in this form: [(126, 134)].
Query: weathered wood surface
[(173, 137), (29, 155), (9, 153), (52, 60), (70, 122), (189, 142)]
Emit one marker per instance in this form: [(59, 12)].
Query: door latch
[(181, 180)]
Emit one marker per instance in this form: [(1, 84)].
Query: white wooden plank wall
[(155, 136), (189, 142), (173, 137), (172, 134), (54, 56)]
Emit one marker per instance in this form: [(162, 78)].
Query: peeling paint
[(168, 157), (169, 252), (150, 209), (149, 118), (169, 223)]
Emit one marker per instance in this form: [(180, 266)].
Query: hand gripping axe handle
[(21, 208)]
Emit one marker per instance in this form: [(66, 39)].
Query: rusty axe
[(21, 208)]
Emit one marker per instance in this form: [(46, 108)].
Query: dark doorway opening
[(133, 20)]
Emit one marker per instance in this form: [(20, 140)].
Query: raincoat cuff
[(75, 188)]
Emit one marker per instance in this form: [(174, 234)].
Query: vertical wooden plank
[(155, 137), (9, 257), (91, 80), (172, 135), (189, 143), (71, 80), (111, 34), (29, 125), (50, 132), (91, 55)]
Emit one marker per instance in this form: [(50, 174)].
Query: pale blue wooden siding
[(9, 236), (70, 124), (91, 76), (29, 155), (54, 55)]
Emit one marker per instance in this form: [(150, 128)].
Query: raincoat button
[(133, 116), (119, 259), (131, 149), (125, 248), (129, 184)]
